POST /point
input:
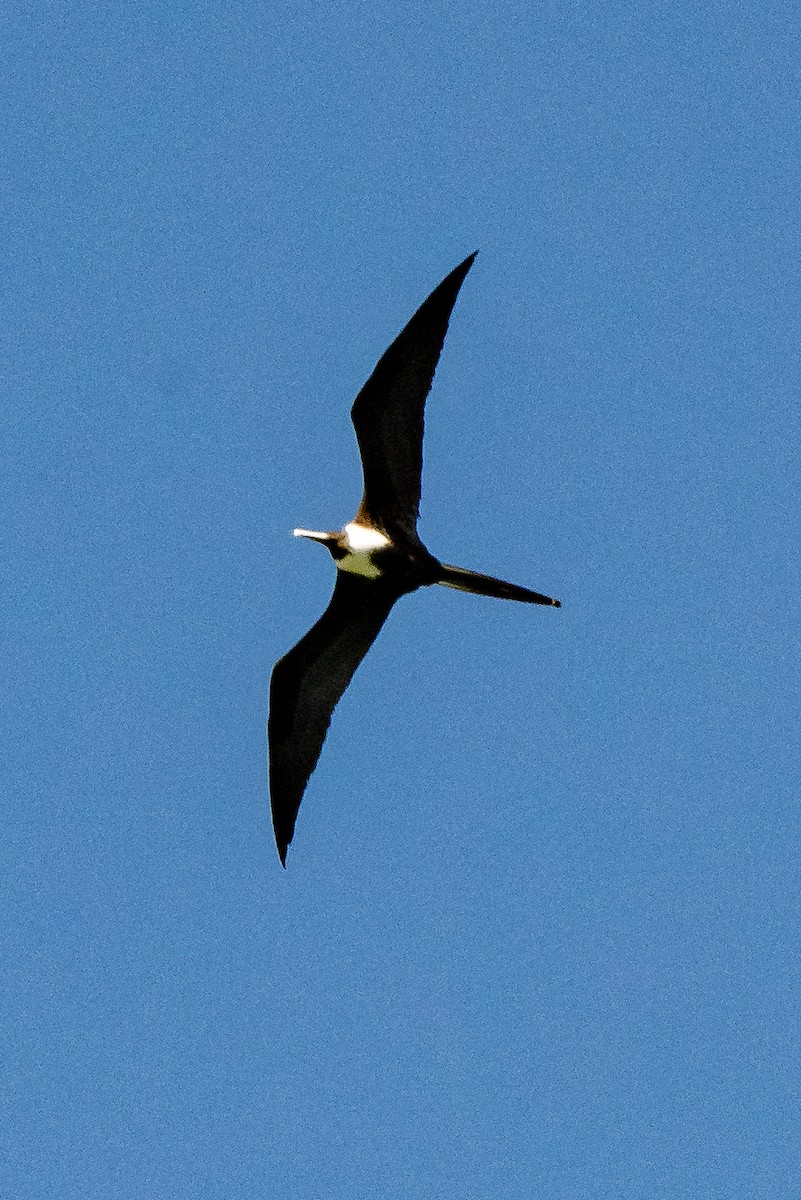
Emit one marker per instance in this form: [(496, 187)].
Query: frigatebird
[(378, 555)]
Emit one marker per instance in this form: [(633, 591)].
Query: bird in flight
[(379, 556)]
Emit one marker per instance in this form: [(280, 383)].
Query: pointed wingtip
[(282, 854), (461, 269), (455, 278)]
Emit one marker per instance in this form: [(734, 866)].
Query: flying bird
[(379, 556)]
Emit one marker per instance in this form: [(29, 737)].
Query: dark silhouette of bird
[(378, 555)]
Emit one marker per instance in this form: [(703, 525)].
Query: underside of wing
[(306, 685), (388, 412)]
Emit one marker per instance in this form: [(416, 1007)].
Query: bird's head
[(332, 540)]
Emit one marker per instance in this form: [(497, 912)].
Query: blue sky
[(539, 931)]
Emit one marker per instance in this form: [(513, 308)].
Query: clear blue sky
[(539, 934)]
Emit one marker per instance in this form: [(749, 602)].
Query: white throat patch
[(361, 538), (362, 542)]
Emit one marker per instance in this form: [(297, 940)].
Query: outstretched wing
[(388, 413), (306, 685)]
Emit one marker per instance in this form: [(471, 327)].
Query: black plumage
[(379, 556)]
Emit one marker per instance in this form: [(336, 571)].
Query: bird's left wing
[(307, 684), (388, 413)]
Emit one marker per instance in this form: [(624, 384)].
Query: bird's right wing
[(388, 412), (306, 685)]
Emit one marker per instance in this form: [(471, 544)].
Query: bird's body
[(378, 555)]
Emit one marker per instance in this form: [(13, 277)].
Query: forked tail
[(485, 585)]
